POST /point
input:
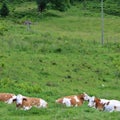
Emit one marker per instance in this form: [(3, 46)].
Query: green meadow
[(59, 55)]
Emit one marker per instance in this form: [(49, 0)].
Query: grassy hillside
[(61, 54)]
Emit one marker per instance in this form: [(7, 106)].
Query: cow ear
[(14, 100), (25, 99), (93, 97), (85, 93), (104, 104), (108, 103)]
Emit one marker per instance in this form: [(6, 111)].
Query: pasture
[(61, 54)]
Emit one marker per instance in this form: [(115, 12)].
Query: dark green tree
[(41, 5), (72, 2), (4, 11), (60, 5)]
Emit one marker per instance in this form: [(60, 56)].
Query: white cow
[(104, 104)]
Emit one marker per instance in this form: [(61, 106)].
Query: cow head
[(91, 101), (86, 97), (19, 99)]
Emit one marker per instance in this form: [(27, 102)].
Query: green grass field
[(61, 54)]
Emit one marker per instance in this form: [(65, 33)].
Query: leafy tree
[(4, 10), (60, 5), (41, 4), (71, 1)]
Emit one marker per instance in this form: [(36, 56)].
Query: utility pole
[(102, 23)]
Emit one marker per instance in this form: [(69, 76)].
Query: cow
[(73, 100), (97, 103), (7, 97), (104, 104), (27, 103)]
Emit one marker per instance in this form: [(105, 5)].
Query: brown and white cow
[(27, 103), (7, 97), (97, 103), (73, 100), (104, 104)]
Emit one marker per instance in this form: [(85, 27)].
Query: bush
[(4, 10), (60, 5), (112, 8)]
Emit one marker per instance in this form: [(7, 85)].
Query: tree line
[(110, 6)]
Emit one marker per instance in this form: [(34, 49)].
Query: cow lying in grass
[(7, 97), (74, 100), (104, 104), (27, 103)]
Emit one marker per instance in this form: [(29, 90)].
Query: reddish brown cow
[(73, 100), (7, 97)]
